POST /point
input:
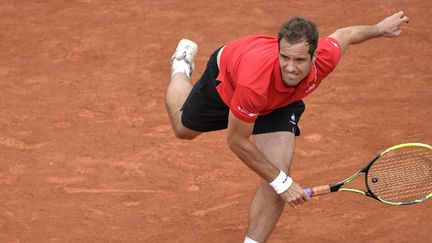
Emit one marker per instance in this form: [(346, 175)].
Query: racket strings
[(404, 176), (404, 188)]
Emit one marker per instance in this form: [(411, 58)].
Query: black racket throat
[(336, 187)]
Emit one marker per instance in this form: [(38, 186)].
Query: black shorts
[(204, 110)]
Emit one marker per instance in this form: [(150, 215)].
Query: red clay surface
[(87, 153)]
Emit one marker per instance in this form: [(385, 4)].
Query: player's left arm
[(388, 27)]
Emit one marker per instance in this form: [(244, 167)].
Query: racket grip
[(318, 190), (308, 191)]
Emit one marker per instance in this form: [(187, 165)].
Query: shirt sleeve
[(245, 104), (328, 55), (253, 75)]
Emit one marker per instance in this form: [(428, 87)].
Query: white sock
[(180, 66), (249, 240)]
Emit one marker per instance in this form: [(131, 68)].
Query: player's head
[(298, 40), (298, 29)]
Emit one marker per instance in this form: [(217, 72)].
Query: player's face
[(295, 62)]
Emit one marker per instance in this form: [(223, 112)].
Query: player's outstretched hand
[(295, 195), (391, 26)]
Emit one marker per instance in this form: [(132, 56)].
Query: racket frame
[(337, 187)]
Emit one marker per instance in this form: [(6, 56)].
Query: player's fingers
[(405, 20), (292, 204), (305, 196), (292, 201), (300, 199)]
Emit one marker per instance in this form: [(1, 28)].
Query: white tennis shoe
[(185, 51)]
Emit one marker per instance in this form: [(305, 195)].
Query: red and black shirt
[(251, 76)]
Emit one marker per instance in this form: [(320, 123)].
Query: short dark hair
[(298, 29)]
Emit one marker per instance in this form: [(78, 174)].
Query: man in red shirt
[(254, 87)]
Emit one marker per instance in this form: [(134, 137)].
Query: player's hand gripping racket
[(400, 175)]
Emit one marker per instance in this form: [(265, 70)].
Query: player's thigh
[(278, 147), (204, 110), (275, 133)]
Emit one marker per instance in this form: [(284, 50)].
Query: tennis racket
[(400, 175)]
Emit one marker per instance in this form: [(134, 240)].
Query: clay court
[(87, 153)]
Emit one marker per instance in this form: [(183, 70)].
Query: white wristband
[(281, 183)]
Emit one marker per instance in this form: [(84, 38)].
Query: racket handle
[(308, 191), (318, 190)]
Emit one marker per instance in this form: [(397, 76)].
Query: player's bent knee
[(184, 133), (184, 136)]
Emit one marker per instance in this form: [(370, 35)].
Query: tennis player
[(254, 86)]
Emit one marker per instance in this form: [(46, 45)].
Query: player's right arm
[(239, 133)]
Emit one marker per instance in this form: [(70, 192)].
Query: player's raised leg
[(267, 206), (180, 85)]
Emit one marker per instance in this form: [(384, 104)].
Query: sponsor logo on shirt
[(246, 112)]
